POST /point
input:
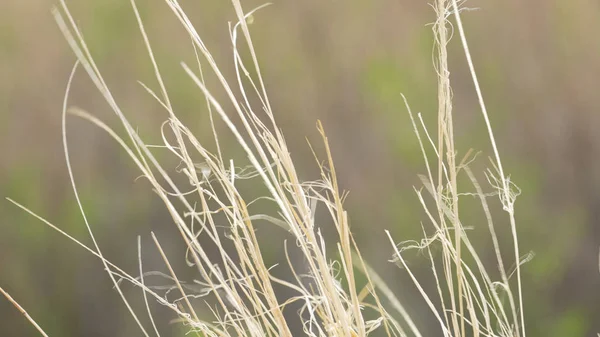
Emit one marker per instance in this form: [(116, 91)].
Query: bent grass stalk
[(466, 300)]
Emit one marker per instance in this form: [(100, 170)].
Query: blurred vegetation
[(345, 63)]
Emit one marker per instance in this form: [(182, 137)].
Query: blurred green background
[(343, 62)]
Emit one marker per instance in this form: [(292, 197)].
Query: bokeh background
[(343, 62)]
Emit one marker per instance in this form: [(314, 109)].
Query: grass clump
[(466, 301)]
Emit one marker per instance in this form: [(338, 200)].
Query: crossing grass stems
[(466, 301)]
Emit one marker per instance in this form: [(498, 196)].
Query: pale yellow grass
[(467, 301)]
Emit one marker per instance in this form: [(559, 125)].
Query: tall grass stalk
[(466, 301)]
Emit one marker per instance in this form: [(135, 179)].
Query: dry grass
[(468, 302)]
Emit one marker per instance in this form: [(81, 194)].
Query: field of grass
[(198, 195)]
